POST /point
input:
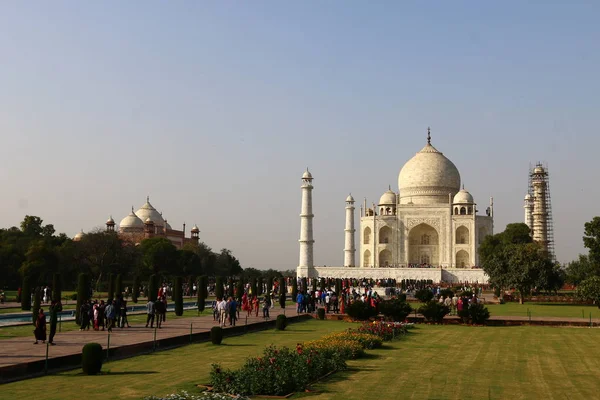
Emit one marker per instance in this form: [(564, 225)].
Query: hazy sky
[(215, 109)]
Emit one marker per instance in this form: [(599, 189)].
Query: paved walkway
[(22, 350)]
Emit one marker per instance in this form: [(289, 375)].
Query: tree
[(159, 255), (305, 285), (589, 290), (581, 269), (152, 288), (259, 286), (253, 287), (219, 287), (118, 286), (239, 289), (41, 262), (178, 291), (32, 226), (37, 303), (282, 292), (56, 287), (111, 286), (202, 292), (189, 263), (135, 288), (269, 284), (591, 240), (227, 264), (83, 293), (294, 289), (26, 294)]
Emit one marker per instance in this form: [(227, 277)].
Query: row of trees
[(32, 254)]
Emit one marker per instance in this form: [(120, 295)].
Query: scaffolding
[(539, 190)]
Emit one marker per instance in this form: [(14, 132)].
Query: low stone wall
[(437, 275)]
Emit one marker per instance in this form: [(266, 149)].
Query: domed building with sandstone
[(429, 229), (146, 223)]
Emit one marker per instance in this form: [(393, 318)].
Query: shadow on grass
[(106, 373), (238, 345)]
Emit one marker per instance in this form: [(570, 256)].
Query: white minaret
[(540, 213), (528, 206), (306, 228), (349, 249)]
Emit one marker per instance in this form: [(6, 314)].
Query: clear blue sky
[(214, 109)]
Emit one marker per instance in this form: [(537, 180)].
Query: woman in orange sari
[(255, 305)]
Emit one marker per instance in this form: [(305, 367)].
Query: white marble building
[(430, 229)]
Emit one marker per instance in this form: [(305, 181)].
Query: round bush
[(395, 309), (402, 297), (424, 295), (281, 322), (434, 311), (321, 313), (216, 335), (360, 310), (91, 358)]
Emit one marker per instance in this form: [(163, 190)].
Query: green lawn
[(544, 310), (66, 326), (164, 372)]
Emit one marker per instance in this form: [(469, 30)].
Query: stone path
[(22, 350)]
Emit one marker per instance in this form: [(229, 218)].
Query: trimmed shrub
[(73, 296), (37, 303), (91, 358), (395, 309), (269, 284), (111, 286), (282, 292), (281, 322), (259, 286), (219, 287), (202, 292), (239, 289), (119, 286), (497, 292), (479, 314), (83, 291), (216, 335), (26, 294), (152, 288), (253, 287), (402, 297), (135, 289), (178, 294), (56, 287), (424, 295), (321, 313), (304, 284), (294, 289), (467, 293), (322, 284), (446, 293), (360, 310), (433, 311)]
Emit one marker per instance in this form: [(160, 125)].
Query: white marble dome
[(428, 178), (131, 221), (463, 197), (388, 198), (148, 211), (349, 199), (78, 236), (307, 174)]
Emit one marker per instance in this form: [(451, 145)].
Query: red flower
[(272, 360)]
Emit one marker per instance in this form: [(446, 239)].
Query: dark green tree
[(259, 286), (202, 292), (111, 287), (239, 291), (119, 285), (37, 303), (152, 288), (294, 289), (135, 288), (178, 290), (591, 240), (579, 270), (26, 294), (83, 293), (159, 256), (589, 290), (314, 284), (56, 287), (219, 287), (282, 292), (269, 284), (253, 287), (338, 286), (227, 264), (304, 285)]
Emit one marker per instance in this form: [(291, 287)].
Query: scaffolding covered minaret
[(538, 208)]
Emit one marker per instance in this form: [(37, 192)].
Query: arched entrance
[(385, 258), (423, 245), (385, 235), (462, 259), (462, 235), (367, 259)]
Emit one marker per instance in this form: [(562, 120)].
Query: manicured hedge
[(91, 358)]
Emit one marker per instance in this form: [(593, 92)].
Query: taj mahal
[(430, 229)]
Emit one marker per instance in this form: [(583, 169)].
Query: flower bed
[(385, 330), (183, 395)]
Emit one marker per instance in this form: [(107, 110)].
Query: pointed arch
[(462, 259), (462, 235), (385, 258), (423, 245), (367, 258), (385, 235), (367, 235)]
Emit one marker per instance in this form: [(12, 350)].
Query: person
[(255, 305), (150, 312), (266, 305), (117, 310), (40, 327), (96, 316), (84, 314), (123, 314), (55, 308), (109, 311), (160, 309), (101, 309), (222, 308), (232, 311)]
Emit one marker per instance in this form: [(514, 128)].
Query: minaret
[(528, 206), (349, 249), (540, 226), (306, 227)]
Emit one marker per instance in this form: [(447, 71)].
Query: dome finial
[(463, 186), (428, 135), (389, 187), (132, 210), (147, 199)]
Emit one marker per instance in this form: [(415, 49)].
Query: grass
[(164, 372), (458, 362), (9, 332), (544, 310)]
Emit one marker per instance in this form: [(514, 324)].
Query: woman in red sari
[(245, 305), (40, 327), (255, 304)]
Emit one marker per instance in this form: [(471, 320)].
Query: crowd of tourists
[(99, 315)]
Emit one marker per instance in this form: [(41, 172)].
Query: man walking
[(150, 312), (110, 315), (55, 308)]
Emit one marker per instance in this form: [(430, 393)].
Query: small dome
[(350, 199), (307, 174), (195, 229), (463, 197), (78, 236), (110, 221), (148, 211), (527, 196), (131, 221), (167, 225), (388, 198), (149, 221)]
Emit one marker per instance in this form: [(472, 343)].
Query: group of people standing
[(100, 315), (156, 309), (40, 323)]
